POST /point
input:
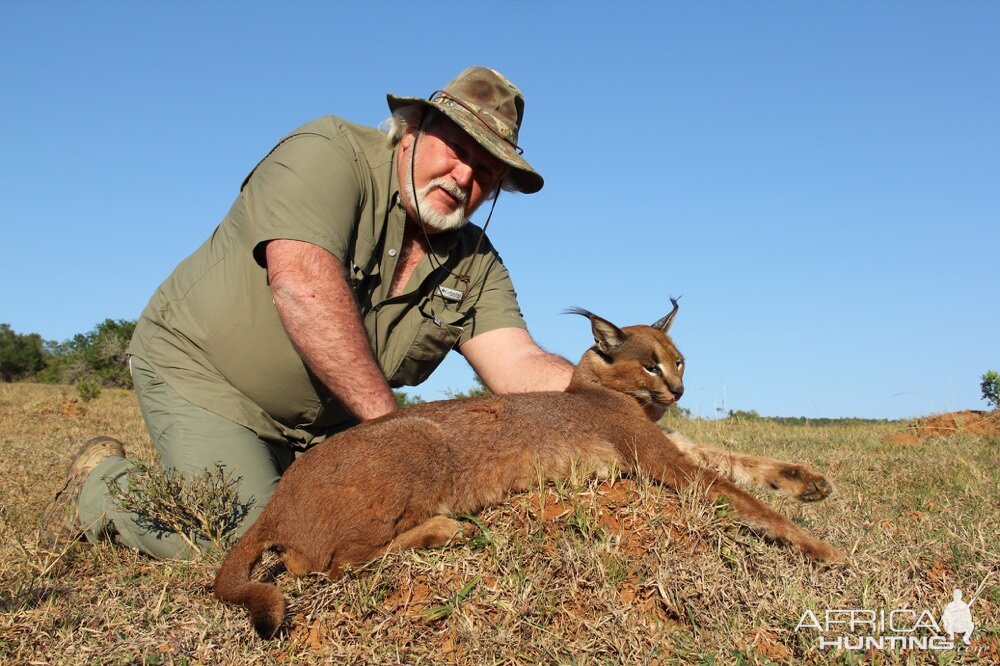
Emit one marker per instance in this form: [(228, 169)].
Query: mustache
[(449, 186)]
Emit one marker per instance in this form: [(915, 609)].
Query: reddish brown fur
[(391, 483)]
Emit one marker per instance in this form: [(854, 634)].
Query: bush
[(200, 508), (991, 388), (96, 357), (20, 355), (88, 389), (403, 400)]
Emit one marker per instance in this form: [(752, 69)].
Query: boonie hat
[(489, 108)]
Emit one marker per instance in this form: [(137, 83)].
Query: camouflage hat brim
[(522, 176)]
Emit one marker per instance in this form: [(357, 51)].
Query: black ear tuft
[(579, 311), (666, 321)]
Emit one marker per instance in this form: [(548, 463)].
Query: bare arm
[(509, 361), (319, 314)]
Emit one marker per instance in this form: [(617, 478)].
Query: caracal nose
[(678, 391)]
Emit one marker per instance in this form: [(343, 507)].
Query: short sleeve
[(495, 304), (306, 189)]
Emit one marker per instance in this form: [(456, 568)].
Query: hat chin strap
[(465, 277)]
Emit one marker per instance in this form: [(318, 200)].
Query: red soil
[(986, 424)]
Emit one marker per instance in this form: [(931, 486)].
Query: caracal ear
[(665, 322), (607, 336)]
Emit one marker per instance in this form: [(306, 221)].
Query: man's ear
[(406, 141)]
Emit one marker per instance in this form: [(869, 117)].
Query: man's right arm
[(320, 315)]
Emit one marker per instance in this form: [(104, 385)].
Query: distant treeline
[(97, 359), (752, 415), (91, 360)]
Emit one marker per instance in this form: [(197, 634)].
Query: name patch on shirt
[(450, 294)]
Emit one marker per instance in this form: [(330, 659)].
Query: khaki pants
[(188, 439)]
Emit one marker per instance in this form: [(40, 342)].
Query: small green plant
[(200, 508), (584, 524), (436, 613), (616, 570), (991, 388), (483, 538), (88, 389)]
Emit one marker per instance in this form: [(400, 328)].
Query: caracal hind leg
[(800, 481), (672, 470), (438, 531), (296, 563)]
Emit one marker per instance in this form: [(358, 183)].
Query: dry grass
[(593, 574)]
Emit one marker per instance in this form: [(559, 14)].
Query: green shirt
[(211, 329)]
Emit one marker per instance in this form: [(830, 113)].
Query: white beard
[(430, 215)]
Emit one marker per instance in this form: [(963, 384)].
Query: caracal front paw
[(801, 482)]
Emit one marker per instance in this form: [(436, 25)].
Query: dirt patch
[(72, 408), (985, 424)]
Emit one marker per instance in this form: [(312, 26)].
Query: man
[(345, 267)]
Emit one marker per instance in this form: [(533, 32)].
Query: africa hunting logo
[(897, 629)]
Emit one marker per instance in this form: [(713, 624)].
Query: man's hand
[(321, 317), (509, 361)]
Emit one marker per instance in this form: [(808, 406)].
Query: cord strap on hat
[(442, 95)]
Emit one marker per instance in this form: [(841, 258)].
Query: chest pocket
[(438, 330)]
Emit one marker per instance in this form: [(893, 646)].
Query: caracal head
[(640, 361)]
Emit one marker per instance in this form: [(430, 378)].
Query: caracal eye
[(680, 363), (653, 369)]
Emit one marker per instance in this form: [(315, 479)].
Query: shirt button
[(392, 253)]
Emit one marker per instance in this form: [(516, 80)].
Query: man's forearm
[(509, 361), (319, 314), (540, 371)]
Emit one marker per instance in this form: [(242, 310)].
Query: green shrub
[(403, 400), (20, 354), (991, 388), (97, 356), (88, 389)]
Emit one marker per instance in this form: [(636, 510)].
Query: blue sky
[(821, 181)]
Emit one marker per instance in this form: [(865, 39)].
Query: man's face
[(452, 174)]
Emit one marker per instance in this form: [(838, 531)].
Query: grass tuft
[(201, 508)]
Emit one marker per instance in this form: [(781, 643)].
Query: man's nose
[(462, 175)]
